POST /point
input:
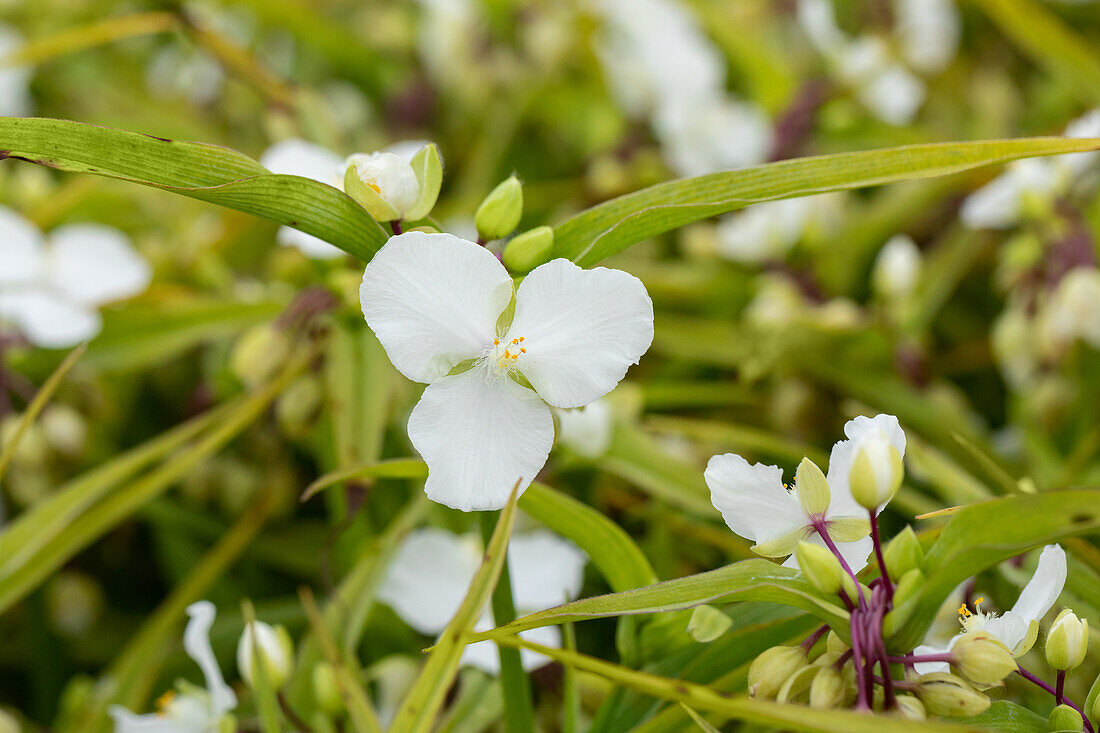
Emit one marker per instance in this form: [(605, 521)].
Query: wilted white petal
[(586, 430), (428, 578), (480, 433), (1045, 586), (1087, 125), (582, 330), (545, 570), (94, 264), (196, 642), (929, 32), (752, 498), (433, 300), (1073, 308), (390, 176), (48, 320), (858, 430)]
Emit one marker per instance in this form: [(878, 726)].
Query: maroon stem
[(1065, 701), (878, 556), (823, 532), (813, 638), (1060, 687), (862, 692), (918, 658), (396, 227)]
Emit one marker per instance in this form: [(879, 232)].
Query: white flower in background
[(432, 570), (758, 506), (435, 303), (927, 33), (1073, 311), (1031, 184), (15, 94), (713, 133), (1015, 341), (769, 230), (448, 38), (777, 303), (193, 709), (587, 430), (181, 71), (272, 646), (1016, 629), (51, 286), (897, 268)]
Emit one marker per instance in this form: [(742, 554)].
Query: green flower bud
[(907, 587), (982, 658), (227, 723), (904, 553), (326, 690), (876, 473), (813, 488), (820, 567), (427, 166), (797, 687), (834, 644), (827, 689), (910, 707), (272, 645), (1065, 718), (773, 668), (1067, 641), (501, 210), (259, 353), (947, 695), (708, 623), (524, 252)]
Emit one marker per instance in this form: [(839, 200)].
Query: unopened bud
[(797, 687), (904, 553), (1065, 718), (272, 646), (910, 707), (982, 658), (820, 567), (907, 587), (876, 473), (1067, 641), (524, 252), (772, 668), (897, 267), (827, 689), (834, 644), (298, 405), (812, 488), (427, 166), (326, 690), (500, 212), (259, 353), (708, 623), (947, 695), (382, 183)]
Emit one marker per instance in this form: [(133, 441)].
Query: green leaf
[(1009, 717), (205, 172), (611, 227), (748, 580), (981, 535), (420, 706)]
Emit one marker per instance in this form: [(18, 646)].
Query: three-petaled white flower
[(1031, 184), (1016, 629), (430, 574), (758, 506), (193, 709), (442, 308), (51, 286)]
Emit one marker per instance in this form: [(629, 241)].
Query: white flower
[(769, 230), (758, 506), (897, 267), (713, 133), (1031, 182), (586, 430), (1074, 307), (929, 32), (15, 95), (435, 303), (1016, 628), (51, 286), (272, 646), (432, 570), (193, 710)]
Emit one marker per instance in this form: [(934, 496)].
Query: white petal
[(998, 204), (897, 267), (930, 667), (582, 330), (15, 96), (428, 578), (128, 722), (545, 570), (390, 175), (485, 656), (21, 249), (894, 95), (929, 31), (1087, 125), (94, 264), (433, 300), (858, 430), (819, 23), (312, 247), (47, 320), (479, 435), (752, 499), (1045, 586), (196, 642), (586, 430), (854, 553), (1009, 627), (297, 157)]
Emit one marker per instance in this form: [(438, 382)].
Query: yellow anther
[(522, 350), (496, 342), (164, 701), (507, 355), (964, 611), (521, 338)]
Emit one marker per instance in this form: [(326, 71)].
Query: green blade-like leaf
[(206, 172), (748, 580), (611, 227), (981, 535)]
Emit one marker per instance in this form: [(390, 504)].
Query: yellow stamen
[(375, 188), (164, 701)]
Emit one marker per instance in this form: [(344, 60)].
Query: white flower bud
[(273, 647), (897, 268), (382, 183), (876, 472), (1067, 641)]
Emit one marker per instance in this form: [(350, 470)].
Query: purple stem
[(878, 556), (862, 692), (1060, 687), (918, 658), (1036, 681), (823, 532), (396, 227), (813, 638)]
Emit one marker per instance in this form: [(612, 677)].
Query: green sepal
[(427, 165)]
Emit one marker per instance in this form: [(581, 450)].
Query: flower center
[(976, 620), (164, 702), (503, 356)]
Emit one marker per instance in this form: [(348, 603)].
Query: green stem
[(519, 713)]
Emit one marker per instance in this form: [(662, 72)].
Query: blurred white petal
[(95, 264)]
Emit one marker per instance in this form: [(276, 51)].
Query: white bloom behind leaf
[(433, 568), (897, 267), (435, 303), (587, 430), (51, 286), (15, 95)]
